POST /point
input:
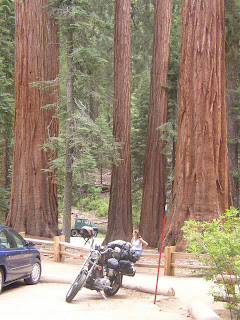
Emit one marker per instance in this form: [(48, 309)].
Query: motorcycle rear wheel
[(76, 286), (116, 283)]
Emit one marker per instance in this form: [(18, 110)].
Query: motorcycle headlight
[(94, 255)]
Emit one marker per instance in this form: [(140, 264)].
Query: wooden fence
[(170, 260)]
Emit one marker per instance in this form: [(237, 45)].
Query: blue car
[(18, 259)]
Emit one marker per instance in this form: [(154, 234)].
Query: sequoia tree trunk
[(154, 194), (201, 182), (33, 203), (120, 206)]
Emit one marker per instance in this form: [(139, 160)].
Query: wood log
[(163, 290), (200, 311)]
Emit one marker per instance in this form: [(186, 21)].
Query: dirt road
[(46, 300)]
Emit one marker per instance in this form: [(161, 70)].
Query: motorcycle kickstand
[(102, 294)]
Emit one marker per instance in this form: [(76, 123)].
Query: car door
[(24, 254), (13, 256)]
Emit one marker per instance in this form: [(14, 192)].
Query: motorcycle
[(104, 267)]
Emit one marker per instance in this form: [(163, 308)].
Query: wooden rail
[(59, 249)]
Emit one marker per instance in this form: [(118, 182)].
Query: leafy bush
[(136, 207), (4, 203), (219, 240), (96, 202), (102, 231)]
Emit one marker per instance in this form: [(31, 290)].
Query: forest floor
[(134, 303), (188, 285), (46, 300)]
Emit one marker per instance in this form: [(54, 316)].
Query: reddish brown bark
[(201, 182), (33, 204), (154, 195), (120, 207)]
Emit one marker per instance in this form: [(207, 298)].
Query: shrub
[(96, 202), (102, 231), (219, 240)]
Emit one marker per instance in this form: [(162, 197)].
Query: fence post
[(62, 248), (56, 249), (168, 269)]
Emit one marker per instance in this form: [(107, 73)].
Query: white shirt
[(136, 244)]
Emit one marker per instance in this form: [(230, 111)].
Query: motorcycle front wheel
[(76, 286), (116, 283)]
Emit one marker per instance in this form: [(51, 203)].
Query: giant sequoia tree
[(120, 207), (154, 196), (201, 182), (33, 204)]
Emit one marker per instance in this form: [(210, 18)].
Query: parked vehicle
[(82, 222), (104, 267), (18, 259)]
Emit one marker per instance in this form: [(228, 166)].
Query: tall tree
[(33, 204), (120, 206), (201, 185), (154, 195), (67, 210), (232, 94)]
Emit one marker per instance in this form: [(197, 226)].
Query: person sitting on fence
[(138, 244)]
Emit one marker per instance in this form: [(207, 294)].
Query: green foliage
[(232, 37), (102, 231), (92, 57), (142, 16), (4, 201), (93, 148), (232, 28), (92, 27), (7, 28), (136, 207), (219, 240), (95, 202), (139, 131), (169, 135), (142, 35)]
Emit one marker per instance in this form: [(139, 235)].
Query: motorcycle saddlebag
[(134, 256), (130, 255), (112, 263), (119, 244), (127, 268)]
